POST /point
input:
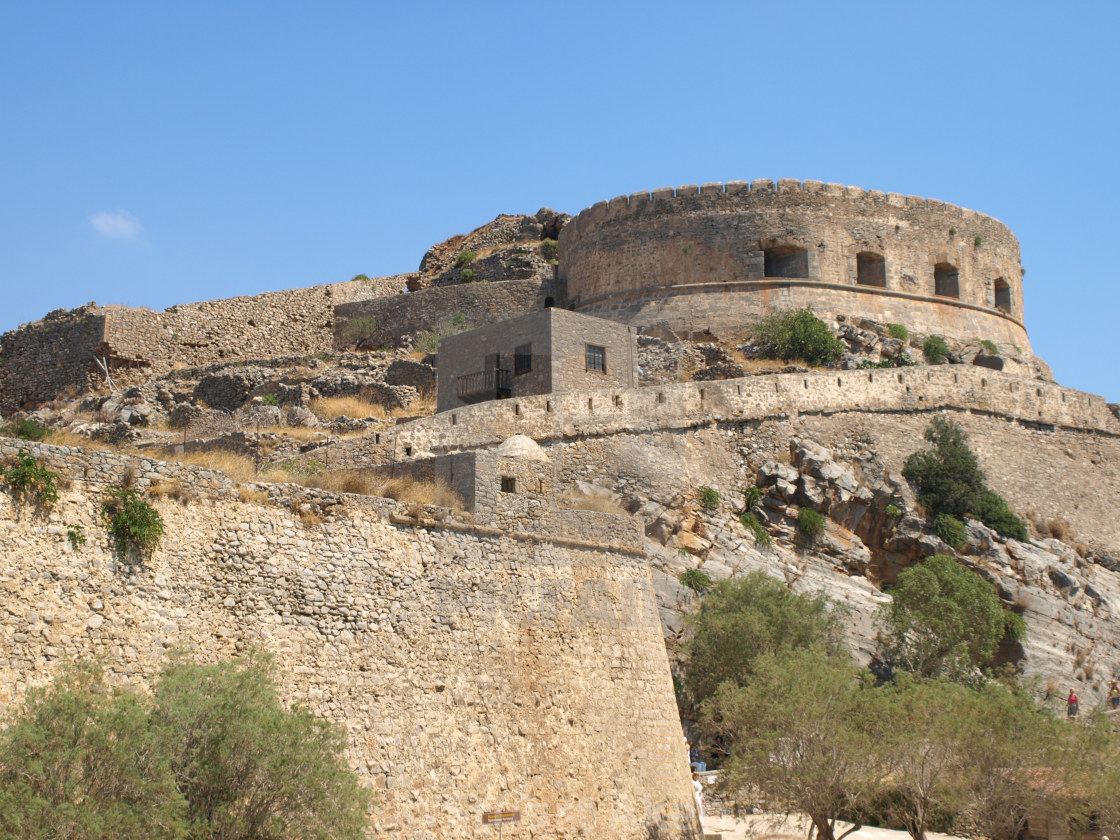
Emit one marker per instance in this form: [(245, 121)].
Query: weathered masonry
[(550, 351), (714, 257), (475, 668)]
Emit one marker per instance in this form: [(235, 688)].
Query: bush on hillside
[(948, 480), (797, 334), (935, 350)]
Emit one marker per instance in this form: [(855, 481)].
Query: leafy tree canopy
[(943, 620), (213, 754), (744, 618)]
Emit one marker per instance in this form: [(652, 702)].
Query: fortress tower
[(717, 256)]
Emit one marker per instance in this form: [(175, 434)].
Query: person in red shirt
[(1072, 706)]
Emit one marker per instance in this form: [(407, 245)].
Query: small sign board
[(499, 817)]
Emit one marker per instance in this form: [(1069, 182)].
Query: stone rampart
[(709, 257), (686, 404), (473, 670), (382, 322), (49, 357)]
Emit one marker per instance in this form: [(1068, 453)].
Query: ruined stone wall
[(51, 357), (641, 258), (56, 355), (473, 671), (384, 321)]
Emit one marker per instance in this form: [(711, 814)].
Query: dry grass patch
[(172, 490), (252, 495), (399, 488), (351, 406), (240, 468)]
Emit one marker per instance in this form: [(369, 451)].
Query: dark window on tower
[(596, 358), (1003, 295), (946, 280), (509, 484), (523, 359), (871, 269), (786, 261)]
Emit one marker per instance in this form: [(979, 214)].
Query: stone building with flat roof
[(551, 351)]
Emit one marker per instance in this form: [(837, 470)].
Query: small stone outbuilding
[(551, 351)]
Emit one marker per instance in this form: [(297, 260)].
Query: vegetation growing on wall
[(132, 522), (30, 481), (427, 341)]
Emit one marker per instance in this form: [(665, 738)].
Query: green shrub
[(752, 523), (549, 249), (269, 399), (989, 346), (893, 511), (427, 341), (935, 350), (978, 241), (951, 530), (897, 361), (810, 524), (131, 521), (709, 498), (991, 509), (1014, 628), (358, 277), (357, 328), (25, 429), (948, 479), (952, 231), (465, 257), (898, 331), (797, 334), (468, 275), (695, 580), (752, 497), (30, 481)]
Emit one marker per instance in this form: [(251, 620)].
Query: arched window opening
[(787, 261), (946, 280), (1003, 295), (549, 303), (871, 269)]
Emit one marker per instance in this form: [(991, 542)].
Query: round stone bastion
[(716, 256)]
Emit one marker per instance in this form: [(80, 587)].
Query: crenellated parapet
[(711, 256)]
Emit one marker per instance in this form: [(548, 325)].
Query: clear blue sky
[(155, 152)]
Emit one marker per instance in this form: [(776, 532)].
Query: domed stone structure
[(716, 256)]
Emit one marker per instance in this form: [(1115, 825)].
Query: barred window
[(523, 359), (596, 358)]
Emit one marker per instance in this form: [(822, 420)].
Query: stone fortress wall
[(1073, 437), (473, 669), (718, 255), (56, 355)]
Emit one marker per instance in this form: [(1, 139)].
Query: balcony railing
[(484, 385)]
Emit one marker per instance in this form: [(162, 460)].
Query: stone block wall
[(384, 321), (473, 671), (638, 257)]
